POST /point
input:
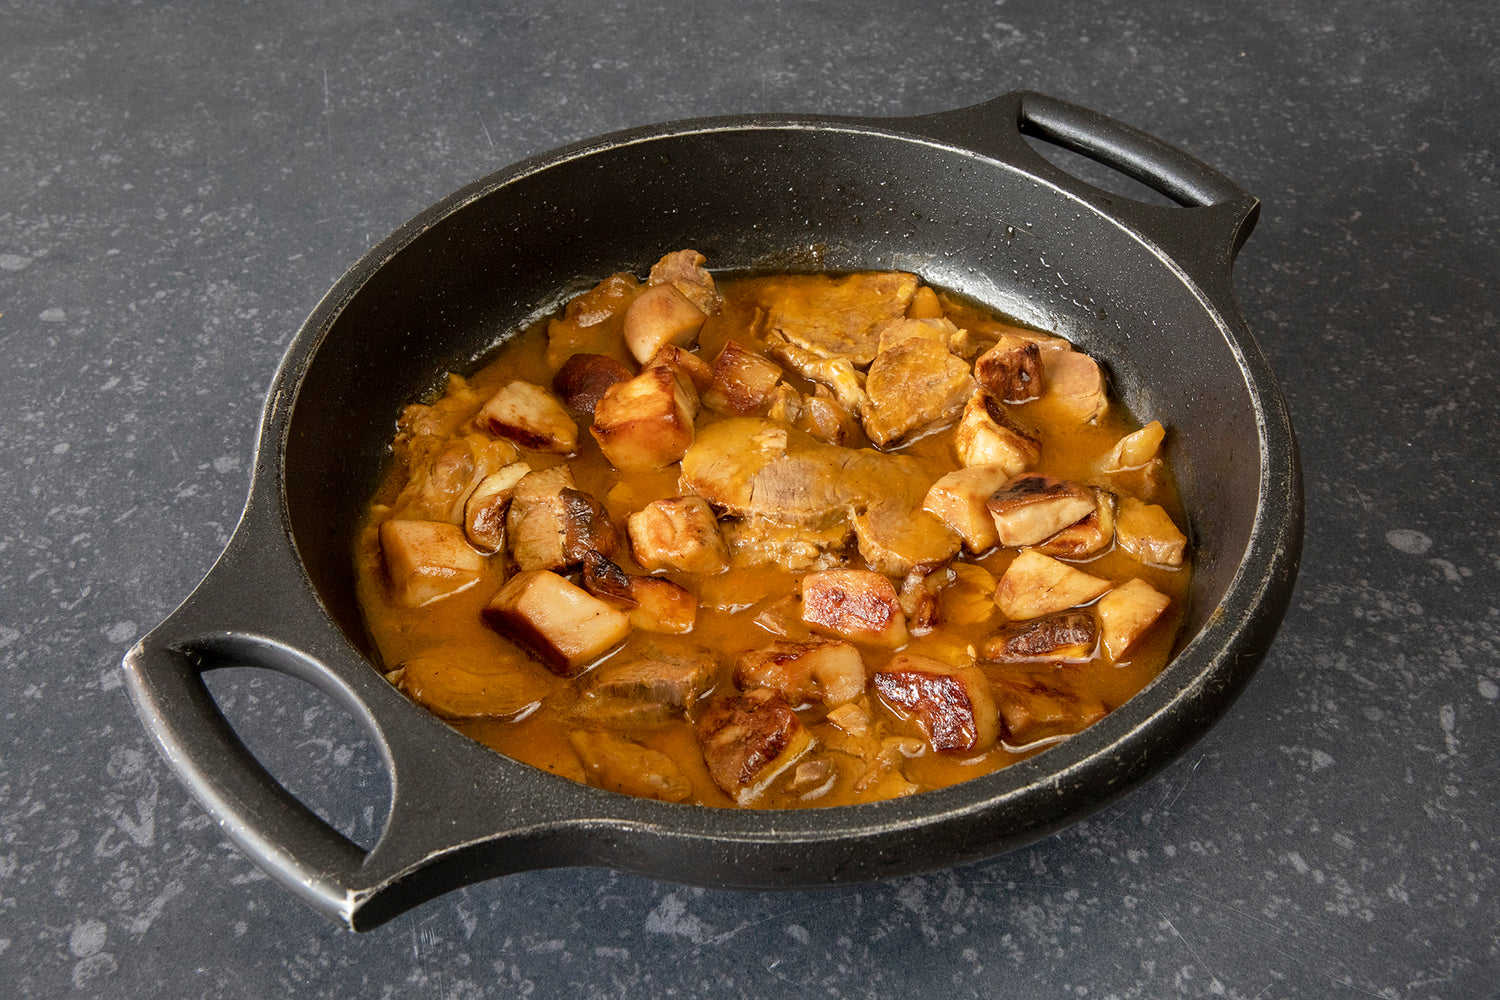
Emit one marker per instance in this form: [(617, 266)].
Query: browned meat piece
[(1035, 585), (1149, 534), (959, 499), (551, 525), (1075, 385), (1126, 613), (661, 316), (529, 415), (427, 561), (560, 624), (986, 435), (914, 388), (679, 533), (838, 317), (684, 271), (652, 603), (820, 670), (460, 686), (1011, 371), (741, 381), (485, 510), (1041, 705), (939, 330), (441, 477), (820, 416), (749, 739), (1065, 636), (584, 379), (674, 675), (1090, 536), (952, 705), (646, 422), (856, 604), (1031, 508), (612, 762)]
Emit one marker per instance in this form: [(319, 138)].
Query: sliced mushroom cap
[(1030, 508)]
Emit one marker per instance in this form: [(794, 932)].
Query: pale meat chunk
[(427, 561), (531, 417), (678, 533), (741, 381), (855, 604), (617, 764), (820, 670), (1149, 534), (584, 379), (951, 705), (1035, 585), (1126, 612), (646, 422), (838, 375), (1011, 371), (940, 330), (820, 416), (1037, 706), (1094, 534), (986, 435), (1030, 508), (486, 507), (896, 538), (914, 388), (1075, 385), (661, 316), (684, 271), (442, 477), (551, 525), (457, 685), (760, 541), (1068, 636), (592, 320), (652, 603), (560, 624), (959, 498), (840, 316), (749, 739)]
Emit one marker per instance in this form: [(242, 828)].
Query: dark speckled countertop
[(180, 183)]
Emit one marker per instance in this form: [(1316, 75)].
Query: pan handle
[(477, 816), (1220, 215)]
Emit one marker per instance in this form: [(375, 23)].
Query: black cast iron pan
[(960, 198)]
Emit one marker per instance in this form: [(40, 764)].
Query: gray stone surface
[(180, 182)]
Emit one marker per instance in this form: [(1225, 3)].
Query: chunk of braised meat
[(684, 271), (486, 507), (914, 388), (584, 379), (950, 704), (987, 435), (1034, 585), (1011, 371), (836, 374), (1065, 636), (440, 476), (760, 541), (1126, 613), (749, 739), (617, 764), (1091, 535), (551, 525), (820, 670), (741, 381), (938, 329), (1039, 705), (856, 604), (427, 561), (674, 676), (677, 533), (460, 686), (1031, 508), (653, 603), (531, 417), (840, 316), (558, 623), (896, 538)]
